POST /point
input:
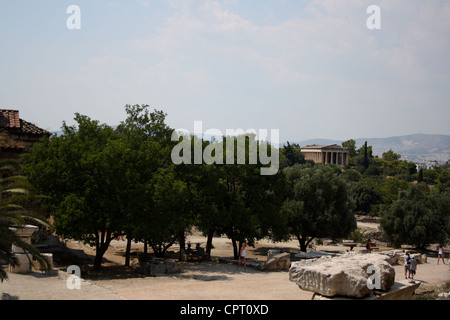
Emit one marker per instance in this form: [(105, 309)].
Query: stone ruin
[(25, 262), (276, 260), (158, 267), (346, 275)]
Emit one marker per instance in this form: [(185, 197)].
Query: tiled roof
[(28, 127), (10, 119)]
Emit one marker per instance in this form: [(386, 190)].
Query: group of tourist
[(198, 253), (410, 266), (411, 262)]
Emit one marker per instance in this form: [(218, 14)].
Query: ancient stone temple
[(330, 154)]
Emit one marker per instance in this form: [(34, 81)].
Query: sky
[(311, 69)]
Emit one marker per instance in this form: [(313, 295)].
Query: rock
[(345, 275), (398, 257), (330, 243), (281, 261), (272, 253), (171, 266), (156, 268), (444, 296), (24, 265), (311, 255)]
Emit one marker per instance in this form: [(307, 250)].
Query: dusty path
[(209, 281)]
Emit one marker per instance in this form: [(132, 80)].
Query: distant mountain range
[(415, 147)]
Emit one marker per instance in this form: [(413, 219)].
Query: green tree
[(364, 197), (351, 145), (391, 156), (81, 177), (144, 145), (291, 154), (170, 214), (317, 205), (96, 177), (418, 217), (254, 200), (420, 176), (364, 157), (209, 199)]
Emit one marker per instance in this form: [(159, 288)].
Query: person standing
[(369, 245), (441, 254), (407, 265), (242, 256), (412, 267)]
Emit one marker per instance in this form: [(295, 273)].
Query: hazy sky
[(311, 69)]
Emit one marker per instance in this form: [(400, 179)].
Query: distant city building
[(420, 166), (17, 135), (427, 165), (329, 154), (433, 163)]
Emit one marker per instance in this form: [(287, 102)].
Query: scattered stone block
[(281, 261), (171, 266), (344, 275)]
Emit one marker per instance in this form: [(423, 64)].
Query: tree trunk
[(182, 241), (235, 249), (127, 253), (145, 247), (209, 243), (304, 243), (102, 241)]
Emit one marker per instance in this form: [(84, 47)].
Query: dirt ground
[(221, 281), (210, 280)]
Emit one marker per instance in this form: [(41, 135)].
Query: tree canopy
[(418, 217), (318, 204)]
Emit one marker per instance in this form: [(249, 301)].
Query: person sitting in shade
[(189, 252), (200, 251)]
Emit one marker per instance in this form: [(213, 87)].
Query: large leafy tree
[(16, 196), (96, 176), (364, 197), (291, 154), (233, 199), (317, 205), (168, 214), (144, 143), (418, 217), (254, 200), (81, 176)]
